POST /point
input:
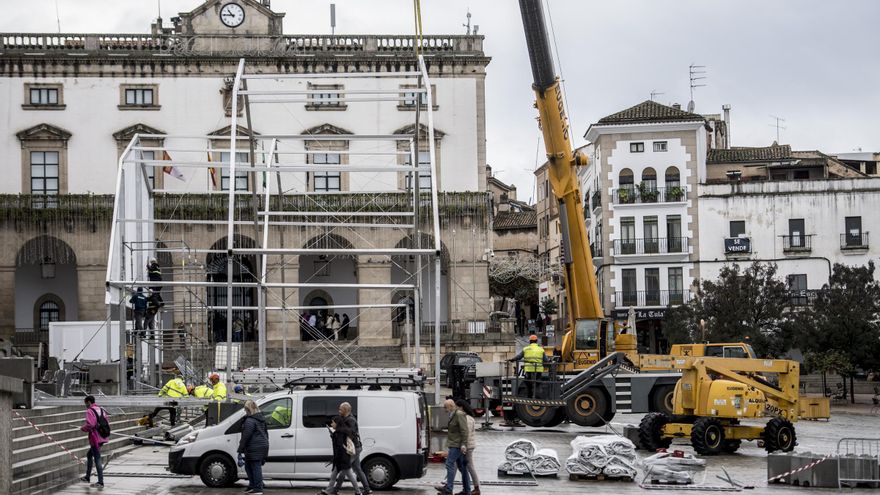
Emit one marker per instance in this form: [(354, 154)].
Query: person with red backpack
[(98, 429)]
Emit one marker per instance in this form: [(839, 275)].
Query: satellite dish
[(691, 106)]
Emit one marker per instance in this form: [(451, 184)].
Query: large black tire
[(731, 446), (535, 416), (779, 435), (662, 399), (651, 432), (589, 408), (707, 436), (381, 472), (218, 471), (557, 418)]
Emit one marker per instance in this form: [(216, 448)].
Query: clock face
[(232, 15)]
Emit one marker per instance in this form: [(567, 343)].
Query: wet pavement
[(128, 475)]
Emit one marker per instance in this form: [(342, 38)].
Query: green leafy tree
[(845, 315), (549, 306), (740, 306)]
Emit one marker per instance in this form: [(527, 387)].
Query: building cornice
[(596, 130)]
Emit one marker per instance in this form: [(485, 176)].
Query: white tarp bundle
[(669, 466), (524, 457), (611, 455)]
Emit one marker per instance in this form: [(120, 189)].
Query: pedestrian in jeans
[(471, 443), (456, 443), (93, 412), (139, 308), (340, 436), (352, 425), (254, 446)]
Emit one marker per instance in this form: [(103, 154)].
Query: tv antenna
[(696, 73), (57, 17), (332, 19), (468, 25), (778, 125), (655, 93)]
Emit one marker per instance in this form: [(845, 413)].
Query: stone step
[(30, 437), (22, 458), (63, 422), (53, 479)]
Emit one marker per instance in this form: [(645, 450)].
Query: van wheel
[(218, 471), (381, 473)]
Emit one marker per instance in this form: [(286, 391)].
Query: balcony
[(854, 241), (669, 245), (797, 243), (642, 298), (596, 200), (637, 195), (596, 250)]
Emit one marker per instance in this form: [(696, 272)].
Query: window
[(797, 239), (326, 97), (411, 94), (587, 334), (652, 234), (673, 179), (801, 174), (326, 180), (630, 296), (797, 287), (43, 97), (424, 171), (659, 146), (49, 312), (674, 242), (628, 235), (277, 413), (676, 286), (853, 234), (652, 286), (241, 178), (649, 184), (44, 176), (139, 97), (317, 411), (737, 228), (151, 170), (636, 147)]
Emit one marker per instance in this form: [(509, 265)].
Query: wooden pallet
[(597, 477), (519, 475)]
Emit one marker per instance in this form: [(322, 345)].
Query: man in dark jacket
[(339, 436), (154, 274), (254, 445), (456, 443), (351, 423), (139, 308)]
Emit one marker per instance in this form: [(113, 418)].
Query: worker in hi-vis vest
[(533, 358)]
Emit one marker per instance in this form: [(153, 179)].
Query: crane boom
[(584, 306)]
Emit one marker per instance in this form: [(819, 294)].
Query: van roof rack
[(320, 377)]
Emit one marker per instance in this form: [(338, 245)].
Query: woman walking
[(343, 449), (254, 446), (335, 325), (471, 444)]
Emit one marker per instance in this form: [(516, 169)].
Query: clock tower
[(224, 17)]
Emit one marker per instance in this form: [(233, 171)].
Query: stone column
[(7, 293), (276, 323), (374, 325)]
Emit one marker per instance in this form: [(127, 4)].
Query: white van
[(393, 429)]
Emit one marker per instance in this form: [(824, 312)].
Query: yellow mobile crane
[(579, 384)]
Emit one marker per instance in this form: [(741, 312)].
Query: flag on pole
[(171, 169), (212, 173)]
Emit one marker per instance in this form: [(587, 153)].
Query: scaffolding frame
[(135, 223)]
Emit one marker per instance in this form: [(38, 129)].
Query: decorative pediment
[(423, 131), (126, 134), (226, 131), (326, 129), (44, 132), (259, 19)]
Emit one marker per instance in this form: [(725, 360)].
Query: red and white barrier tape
[(49, 437), (798, 470)]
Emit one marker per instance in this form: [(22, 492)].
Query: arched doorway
[(403, 271), (327, 269), (244, 321), (46, 284)]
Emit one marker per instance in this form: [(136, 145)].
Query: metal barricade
[(858, 462)]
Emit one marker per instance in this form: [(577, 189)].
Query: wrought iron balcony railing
[(638, 195), (665, 245), (854, 241), (797, 243), (643, 298)]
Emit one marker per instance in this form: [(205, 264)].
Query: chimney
[(676, 106), (726, 109), (266, 4)]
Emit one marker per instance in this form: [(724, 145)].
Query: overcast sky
[(816, 63)]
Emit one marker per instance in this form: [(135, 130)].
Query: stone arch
[(649, 178), (672, 177), (403, 270), (330, 269), (45, 270), (626, 178), (244, 269)]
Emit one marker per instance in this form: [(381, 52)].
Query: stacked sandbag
[(610, 455), (524, 457)]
